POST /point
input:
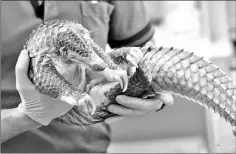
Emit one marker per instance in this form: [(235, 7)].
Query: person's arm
[(14, 123), (130, 24)]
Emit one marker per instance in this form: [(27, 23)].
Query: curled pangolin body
[(161, 69), (48, 46)]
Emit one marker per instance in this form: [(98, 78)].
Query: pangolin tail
[(185, 74)]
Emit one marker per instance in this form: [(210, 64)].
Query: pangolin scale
[(58, 45)]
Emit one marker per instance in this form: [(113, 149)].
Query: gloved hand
[(132, 106), (41, 108)]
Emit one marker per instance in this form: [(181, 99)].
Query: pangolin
[(57, 46)]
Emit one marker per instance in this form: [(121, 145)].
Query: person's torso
[(18, 20)]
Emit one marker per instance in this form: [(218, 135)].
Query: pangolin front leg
[(127, 58), (112, 72)]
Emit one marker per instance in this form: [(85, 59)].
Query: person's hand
[(132, 106), (39, 107)]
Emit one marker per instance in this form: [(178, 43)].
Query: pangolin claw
[(122, 77), (131, 61), (134, 55), (119, 75)]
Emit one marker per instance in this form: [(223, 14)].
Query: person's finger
[(21, 70), (124, 111), (139, 103), (114, 119), (22, 64)]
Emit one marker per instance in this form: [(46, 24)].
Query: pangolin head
[(67, 40)]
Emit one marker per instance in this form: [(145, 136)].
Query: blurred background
[(208, 29)]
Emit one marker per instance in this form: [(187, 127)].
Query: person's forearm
[(14, 123)]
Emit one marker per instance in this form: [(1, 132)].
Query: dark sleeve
[(129, 24)]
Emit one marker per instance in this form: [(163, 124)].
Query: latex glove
[(132, 106), (41, 108)]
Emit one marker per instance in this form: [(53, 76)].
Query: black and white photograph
[(112, 76)]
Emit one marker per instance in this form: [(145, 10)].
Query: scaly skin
[(159, 70), (57, 46), (177, 71)]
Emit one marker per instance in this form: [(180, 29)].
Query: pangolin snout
[(99, 66)]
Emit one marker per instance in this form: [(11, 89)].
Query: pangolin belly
[(161, 69)]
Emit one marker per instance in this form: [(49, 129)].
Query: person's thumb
[(21, 69), (22, 64)]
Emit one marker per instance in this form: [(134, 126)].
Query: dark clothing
[(119, 23)]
